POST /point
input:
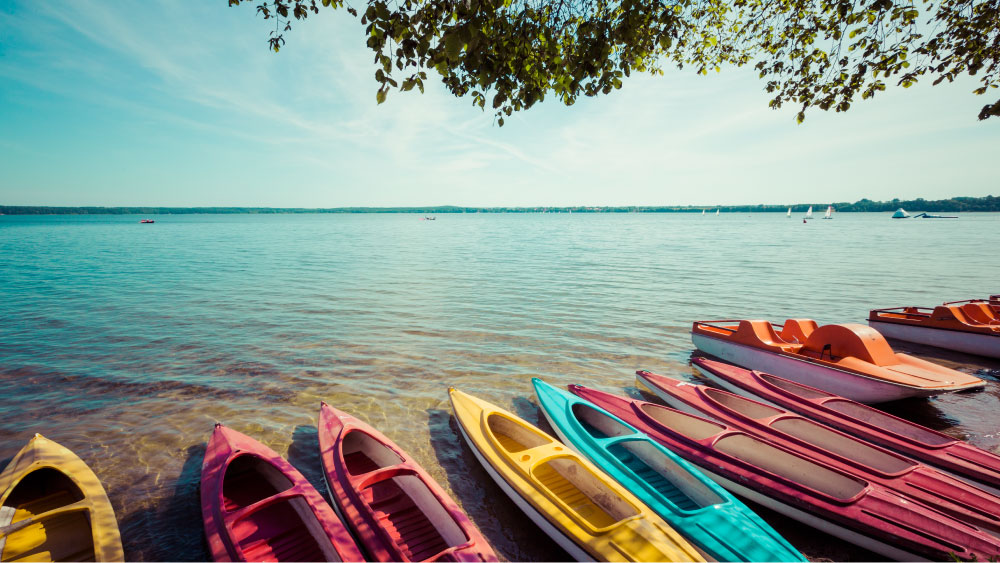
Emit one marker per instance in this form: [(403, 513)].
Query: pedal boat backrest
[(833, 342)]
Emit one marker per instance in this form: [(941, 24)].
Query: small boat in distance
[(850, 360), (809, 213), (900, 214), (930, 216), (717, 211), (147, 221), (789, 214), (970, 326), (829, 212), (702, 211), (428, 218)]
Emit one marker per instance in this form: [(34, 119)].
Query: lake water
[(127, 342)]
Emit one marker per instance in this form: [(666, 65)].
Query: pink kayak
[(397, 511), (868, 423), (257, 507), (910, 478), (814, 493)]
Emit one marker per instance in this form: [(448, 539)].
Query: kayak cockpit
[(759, 453), (792, 388), (399, 499), (889, 423), (364, 454), (647, 462), (812, 433), (267, 522), (563, 479), (59, 535), (791, 467), (575, 486)]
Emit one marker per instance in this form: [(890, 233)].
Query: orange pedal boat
[(970, 326), (850, 360)]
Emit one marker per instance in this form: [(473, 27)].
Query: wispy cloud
[(244, 119)]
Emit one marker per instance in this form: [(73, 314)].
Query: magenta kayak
[(814, 493), (863, 421), (257, 507), (873, 463), (397, 511)]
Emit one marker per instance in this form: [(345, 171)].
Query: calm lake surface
[(127, 342)]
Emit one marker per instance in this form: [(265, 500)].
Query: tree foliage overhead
[(511, 54)]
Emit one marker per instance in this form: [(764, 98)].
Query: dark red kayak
[(851, 455), (814, 493), (257, 507), (863, 421), (397, 511)]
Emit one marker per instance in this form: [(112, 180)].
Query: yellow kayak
[(53, 508), (587, 513)]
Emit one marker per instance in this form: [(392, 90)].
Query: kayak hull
[(394, 507), (53, 507), (698, 508), (571, 500), (813, 493), (257, 507), (851, 455), (963, 460)]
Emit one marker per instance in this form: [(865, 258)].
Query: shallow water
[(126, 342)]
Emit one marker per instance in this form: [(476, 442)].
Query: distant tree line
[(955, 204)]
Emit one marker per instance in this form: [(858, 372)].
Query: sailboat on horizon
[(829, 212), (716, 212), (702, 211), (809, 213), (789, 215)]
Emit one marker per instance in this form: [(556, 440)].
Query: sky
[(182, 104)]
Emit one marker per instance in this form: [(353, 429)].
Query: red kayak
[(257, 507), (812, 492), (397, 511), (868, 423), (873, 463)]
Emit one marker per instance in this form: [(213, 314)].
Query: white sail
[(702, 211), (789, 212), (829, 213), (716, 211), (809, 214)]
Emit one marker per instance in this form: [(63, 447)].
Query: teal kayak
[(703, 512)]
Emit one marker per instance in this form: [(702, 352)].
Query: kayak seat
[(585, 494), (835, 342), (60, 537), (408, 524), (664, 486), (798, 330), (277, 532)]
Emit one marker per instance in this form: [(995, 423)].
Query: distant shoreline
[(956, 204)]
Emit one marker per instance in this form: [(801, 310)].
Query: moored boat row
[(626, 480)]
